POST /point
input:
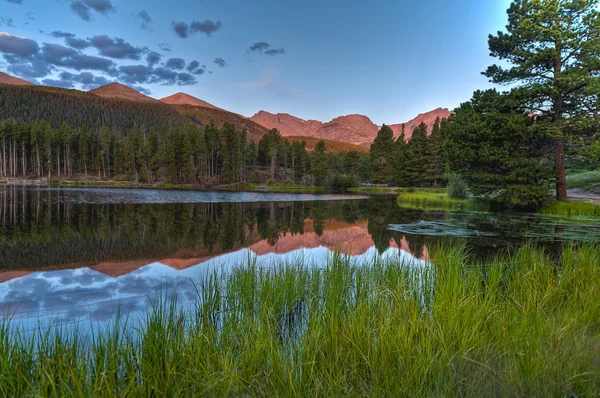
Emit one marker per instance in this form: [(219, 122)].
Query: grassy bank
[(587, 180), (572, 208), (437, 199), (518, 326), (277, 188)]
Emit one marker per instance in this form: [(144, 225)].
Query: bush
[(255, 178), (271, 182), (457, 187), (342, 183), (288, 183)]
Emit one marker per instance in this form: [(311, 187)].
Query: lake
[(72, 255)]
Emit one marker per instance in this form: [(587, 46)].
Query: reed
[(572, 208), (525, 323)]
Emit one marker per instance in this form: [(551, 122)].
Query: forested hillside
[(26, 104), (219, 117)]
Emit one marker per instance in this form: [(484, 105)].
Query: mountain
[(103, 105), (428, 118), (121, 91), (288, 125), (186, 99), (352, 129), (57, 105), (218, 116), (15, 81)]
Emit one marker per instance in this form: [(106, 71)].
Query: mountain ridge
[(14, 81), (121, 91), (186, 99), (353, 129)]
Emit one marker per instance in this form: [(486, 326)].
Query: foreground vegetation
[(431, 199), (572, 208), (587, 180), (522, 324)]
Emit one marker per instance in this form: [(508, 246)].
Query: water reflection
[(67, 255)]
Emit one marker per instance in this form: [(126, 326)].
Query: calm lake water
[(72, 255)]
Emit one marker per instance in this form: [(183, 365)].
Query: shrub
[(342, 183), (288, 183), (457, 187), (271, 181), (255, 178)]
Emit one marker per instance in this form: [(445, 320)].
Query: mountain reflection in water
[(74, 254)]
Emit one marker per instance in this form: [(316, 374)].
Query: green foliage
[(382, 156), (256, 178), (572, 208), (26, 104), (396, 327), (457, 187), (588, 180), (271, 182), (594, 153), (435, 154), (418, 156), (500, 152), (427, 199), (342, 183), (319, 166), (551, 52)]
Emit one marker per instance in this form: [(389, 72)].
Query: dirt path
[(584, 196)]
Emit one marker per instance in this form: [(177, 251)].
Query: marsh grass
[(572, 208), (436, 199), (519, 325)]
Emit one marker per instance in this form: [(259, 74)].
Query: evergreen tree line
[(417, 163), (190, 154)]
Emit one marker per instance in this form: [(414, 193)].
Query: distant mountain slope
[(353, 129), (78, 108), (287, 125), (428, 118), (186, 99), (121, 91), (15, 81), (204, 115)]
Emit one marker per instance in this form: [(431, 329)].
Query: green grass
[(436, 199), (522, 325), (588, 180), (285, 188), (572, 208)]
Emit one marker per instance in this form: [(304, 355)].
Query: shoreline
[(278, 188)]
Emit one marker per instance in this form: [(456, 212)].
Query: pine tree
[(500, 152), (382, 156), (401, 172), (435, 154), (551, 50), (417, 160), (319, 167)]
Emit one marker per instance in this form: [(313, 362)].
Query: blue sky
[(315, 59)]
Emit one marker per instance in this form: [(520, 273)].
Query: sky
[(314, 59)]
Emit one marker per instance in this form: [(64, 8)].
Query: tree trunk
[(561, 175)]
